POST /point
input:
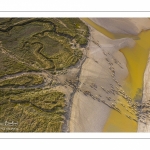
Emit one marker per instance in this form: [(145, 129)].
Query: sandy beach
[(91, 106), (123, 25), (88, 114), (145, 99)]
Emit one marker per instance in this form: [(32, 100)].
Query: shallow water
[(99, 28), (136, 58)]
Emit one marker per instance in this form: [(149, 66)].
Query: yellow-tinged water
[(106, 32), (119, 123), (136, 62), (99, 28), (136, 58)]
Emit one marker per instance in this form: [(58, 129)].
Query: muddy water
[(106, 32), (136, 62), (99, 28), (136, 58)]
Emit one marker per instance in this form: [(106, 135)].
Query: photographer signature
[(8, 123)]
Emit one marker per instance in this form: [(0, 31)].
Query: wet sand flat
[(136, 58), (112, 121), (87, 114)]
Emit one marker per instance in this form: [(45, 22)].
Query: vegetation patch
[(33, 111), (29, 45), (36, 40), (24, 80)]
